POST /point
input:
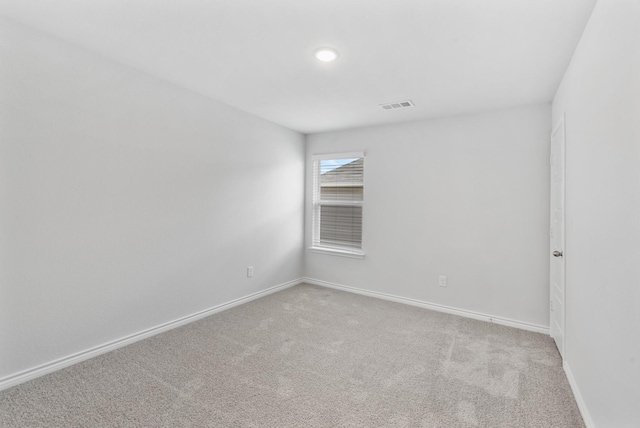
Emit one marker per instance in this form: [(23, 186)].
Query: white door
[(557, 236)]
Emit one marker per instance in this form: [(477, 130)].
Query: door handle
[(557, 254)]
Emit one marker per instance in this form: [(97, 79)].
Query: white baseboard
[(582, 406), (52, 366), (433, 306)]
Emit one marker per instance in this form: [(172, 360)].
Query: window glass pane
[(341, 180)]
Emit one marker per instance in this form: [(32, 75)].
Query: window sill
[(354, 254)]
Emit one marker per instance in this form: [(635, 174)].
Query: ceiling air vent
[(395, 106)]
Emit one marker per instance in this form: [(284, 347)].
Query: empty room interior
[(320, 213)]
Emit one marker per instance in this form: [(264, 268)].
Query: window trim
[(336, 250)]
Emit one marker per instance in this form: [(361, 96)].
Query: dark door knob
[(557, 254)]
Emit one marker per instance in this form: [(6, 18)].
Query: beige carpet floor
[(310, 357)]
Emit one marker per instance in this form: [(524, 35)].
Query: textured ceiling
[(448, 56)]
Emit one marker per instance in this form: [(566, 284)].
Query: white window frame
[(316, 246)]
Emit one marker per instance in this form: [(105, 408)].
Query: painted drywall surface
[(466, 197), (127, 202), (600, 96)]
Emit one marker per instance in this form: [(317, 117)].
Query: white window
[(338, 198)]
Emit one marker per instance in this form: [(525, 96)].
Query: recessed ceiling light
[(326, 54)]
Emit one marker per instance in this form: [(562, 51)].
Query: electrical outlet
[(442, 281), (249, 271)]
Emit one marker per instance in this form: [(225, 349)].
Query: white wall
[(600, 95), (127, 202), (466, 197)]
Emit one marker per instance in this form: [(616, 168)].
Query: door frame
[(554, 158)]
